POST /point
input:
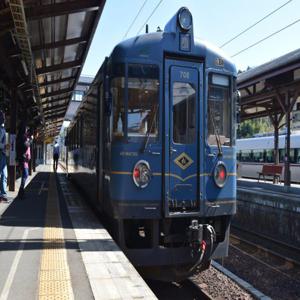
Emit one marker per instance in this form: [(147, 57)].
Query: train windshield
[(143, 95), (219, 110), (184, 113)]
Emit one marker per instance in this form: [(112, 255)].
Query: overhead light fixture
[(66, 123), (24, 67)]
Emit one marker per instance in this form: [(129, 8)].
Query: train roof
[(267, 142), (153, 45), (146, 45)]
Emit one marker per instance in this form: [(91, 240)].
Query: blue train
[(153, 147)]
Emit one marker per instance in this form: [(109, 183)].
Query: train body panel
[(161, 149)]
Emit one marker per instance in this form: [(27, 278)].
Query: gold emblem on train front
[(183, 161)]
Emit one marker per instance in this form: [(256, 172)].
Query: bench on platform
[(271, 170)]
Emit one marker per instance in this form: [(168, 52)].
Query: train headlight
[(185, 19), (220, 174), (141, 174)]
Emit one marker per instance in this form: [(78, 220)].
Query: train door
[(182, 147)]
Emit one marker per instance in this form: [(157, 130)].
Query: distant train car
[(153, 147), (253, 153)]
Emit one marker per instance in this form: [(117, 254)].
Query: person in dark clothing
[(23, 156), (55, 155)]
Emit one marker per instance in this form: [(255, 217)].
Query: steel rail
[(262, 249)]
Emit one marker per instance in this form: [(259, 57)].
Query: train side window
[(184, 113), (245, 155), (117, 92), (297, 155), (240, 155), (292, 155), (219, 110), (281, 155), (258, 155), (270, 156), (143, 104)]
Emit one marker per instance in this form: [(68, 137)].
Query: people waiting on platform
[(55, 155), (23, 156)]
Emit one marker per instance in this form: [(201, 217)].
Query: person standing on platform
[(3, 165), (23, 157), (55, 155)]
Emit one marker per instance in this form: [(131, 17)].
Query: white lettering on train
[(184, 75)]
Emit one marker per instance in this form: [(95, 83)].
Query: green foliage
[(250, 127)]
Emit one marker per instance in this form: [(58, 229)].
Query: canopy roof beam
[(52, 82), (63, 43), (63, 8), (55, 107), (58, 67), (56, 93)]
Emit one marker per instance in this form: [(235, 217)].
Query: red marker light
[(141, 174), (136, 173), (203, 245), (222, 174)]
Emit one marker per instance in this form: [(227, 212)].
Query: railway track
[(266, 246), (269, 265), (186, 290)]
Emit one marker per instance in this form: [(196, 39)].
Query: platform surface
[(279, 190), (53, 247)]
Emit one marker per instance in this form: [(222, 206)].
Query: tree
[(249, 128)]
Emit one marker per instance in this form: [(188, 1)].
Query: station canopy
[(43, 46), (271, 89)]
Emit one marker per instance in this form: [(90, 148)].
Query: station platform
[(275, 190), (269, 209), (53, 247)]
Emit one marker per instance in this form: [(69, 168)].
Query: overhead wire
[(138, 13), (256, 23), (265, 38), (153, 11)]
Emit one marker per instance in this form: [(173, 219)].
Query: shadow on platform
[(30, 212)]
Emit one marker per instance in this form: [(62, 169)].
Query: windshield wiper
[(217, 136), (147, 136)]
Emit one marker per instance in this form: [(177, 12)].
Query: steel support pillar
[(275, 121), (12, 133), (287, 171), (33, 156)]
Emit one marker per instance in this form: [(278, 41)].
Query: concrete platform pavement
[(279, 190), (43, 257), (110, 273)]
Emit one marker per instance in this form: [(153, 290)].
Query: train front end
[(171, 175)]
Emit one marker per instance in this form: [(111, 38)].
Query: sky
[(216, 21)]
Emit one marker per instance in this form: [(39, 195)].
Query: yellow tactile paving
[(55, 287), (54, 277), (54, 297)]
